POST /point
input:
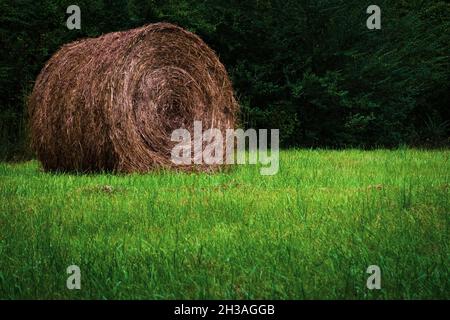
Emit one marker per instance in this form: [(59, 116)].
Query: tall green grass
[(308, 232)]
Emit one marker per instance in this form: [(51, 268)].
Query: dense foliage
[(308, 67)]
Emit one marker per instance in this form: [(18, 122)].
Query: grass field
[(308, 232)]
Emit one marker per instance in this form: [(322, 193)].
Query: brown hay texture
[(111, 103)]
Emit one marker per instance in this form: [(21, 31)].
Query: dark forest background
[(308, 67)]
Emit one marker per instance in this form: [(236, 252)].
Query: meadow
[(308, 232)]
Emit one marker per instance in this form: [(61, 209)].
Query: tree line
[(310, 68)]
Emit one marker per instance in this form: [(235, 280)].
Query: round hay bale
[(111, 103)]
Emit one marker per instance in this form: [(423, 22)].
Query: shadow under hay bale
[(111, 103)]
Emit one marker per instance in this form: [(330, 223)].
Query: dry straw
[(111, 103)]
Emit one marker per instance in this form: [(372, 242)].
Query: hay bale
[(111, 103)]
